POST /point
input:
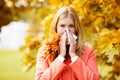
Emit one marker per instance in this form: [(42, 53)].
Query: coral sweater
[(84, 68)]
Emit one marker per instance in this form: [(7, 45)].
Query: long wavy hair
[(69, 12)]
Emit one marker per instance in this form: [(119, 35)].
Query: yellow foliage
[(97, 21), (55, 3), (50, 47), (100, 20), (30, 30), (104, 32), (46, 23)]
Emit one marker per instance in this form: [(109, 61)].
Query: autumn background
[(100, 20)]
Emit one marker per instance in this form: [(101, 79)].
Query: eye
[(62, 25), (71, 25)]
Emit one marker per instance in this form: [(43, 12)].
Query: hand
[(62, 44), (72, 48)]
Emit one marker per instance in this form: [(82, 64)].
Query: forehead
[(66, 20)]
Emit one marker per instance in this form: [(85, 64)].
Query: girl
[(66, 57)]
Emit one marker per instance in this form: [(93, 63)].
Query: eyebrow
[(65, 23), (71, 24)]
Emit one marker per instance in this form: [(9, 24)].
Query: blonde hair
[(69, 12)]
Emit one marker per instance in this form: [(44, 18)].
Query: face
[(65, 23)]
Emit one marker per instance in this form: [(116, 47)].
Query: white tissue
[(74, 36), (68, 39)]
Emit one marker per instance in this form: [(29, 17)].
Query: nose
[(67, 29)]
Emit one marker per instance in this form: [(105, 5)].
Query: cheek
[(73, 31), (60, 31)]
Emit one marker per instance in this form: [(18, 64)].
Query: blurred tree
[(101, 24), (5, 14)]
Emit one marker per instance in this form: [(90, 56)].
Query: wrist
[(62, 55), (72, 55), (61, 58), (74, 58)]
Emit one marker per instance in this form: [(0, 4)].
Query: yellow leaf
[(30, 30), (111, 53), (116, 39), (104, 44), (104, 31), (76, 6), (68, 2), (34, 1), (87, 5), (100, 1), (98, 21), (54, 2), (97, 29)]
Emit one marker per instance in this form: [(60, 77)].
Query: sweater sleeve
[(86, 71), (44, 71)]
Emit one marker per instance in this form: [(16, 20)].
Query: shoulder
[(87, 49), (88, 52), (40, 53), (87, 46)]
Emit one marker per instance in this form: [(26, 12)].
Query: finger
[(68, 35), (71, 37), (64, 37)]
